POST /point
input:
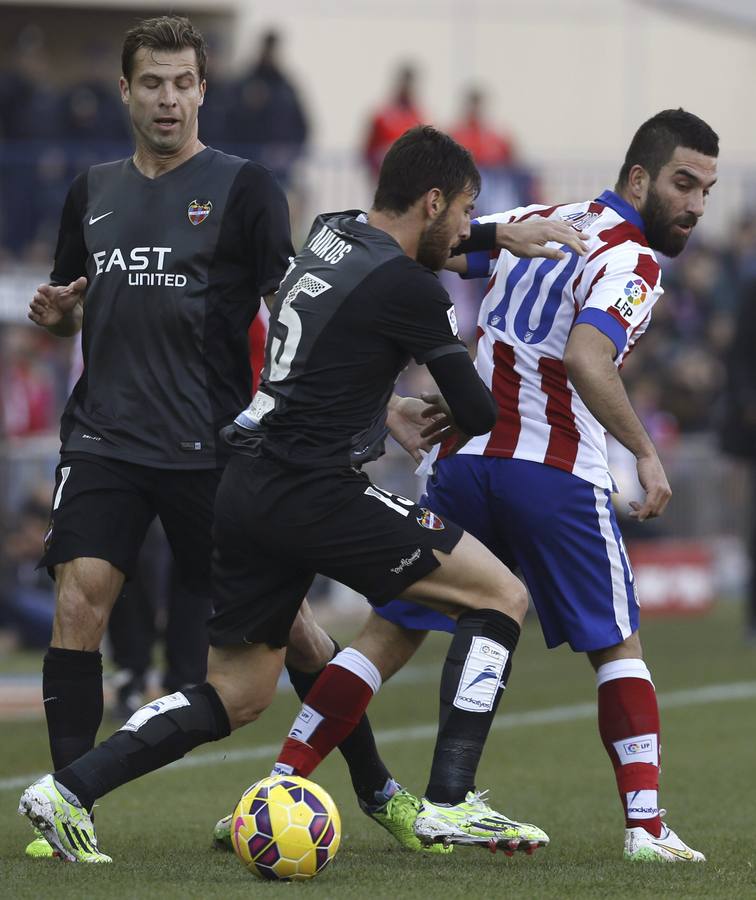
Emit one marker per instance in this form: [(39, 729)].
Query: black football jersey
[(176, 266), (351, 312)]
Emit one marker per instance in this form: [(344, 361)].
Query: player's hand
[(654, 483), (529, 238), (441, 425), (407, 423), (52, 303)]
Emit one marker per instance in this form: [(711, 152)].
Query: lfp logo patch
[(636, 291), (199, 210), (430, 520)]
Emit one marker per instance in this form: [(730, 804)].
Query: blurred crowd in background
[(677, 377)]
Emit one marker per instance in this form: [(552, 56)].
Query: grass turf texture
[(553, 773)]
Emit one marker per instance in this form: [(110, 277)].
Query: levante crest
[(198, 211)]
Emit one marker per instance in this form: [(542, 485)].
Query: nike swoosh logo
[(93, 219), (683, 854)]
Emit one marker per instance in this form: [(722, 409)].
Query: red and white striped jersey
[(526, 317)]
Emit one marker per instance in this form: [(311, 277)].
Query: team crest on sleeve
[(430, 520), (199, 210), (636, 291)]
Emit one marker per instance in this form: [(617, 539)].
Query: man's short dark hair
[(163, 33), (421, 159), (656, 140)]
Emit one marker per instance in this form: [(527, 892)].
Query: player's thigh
[(564, 533), (185, 502), (471, 577), (257, 587), (101, 510)]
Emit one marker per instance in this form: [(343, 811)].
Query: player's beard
[(434, 243), (659, 228)]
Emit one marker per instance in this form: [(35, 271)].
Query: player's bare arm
[(530, 239), (269, 300), (589, 361), (59, 308)]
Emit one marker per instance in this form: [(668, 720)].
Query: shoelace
[(479, 797)]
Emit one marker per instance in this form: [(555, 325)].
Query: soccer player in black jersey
[(162, 259), (355, 305)]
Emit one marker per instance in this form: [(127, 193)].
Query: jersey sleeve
[(481, 263), (71, 250), (617, 291), (267, 232), (416, 312)]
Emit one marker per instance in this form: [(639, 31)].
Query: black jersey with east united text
[(176, 266), (350, 313)]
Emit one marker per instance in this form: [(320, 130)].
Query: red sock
[(331, 710), (628, 717)]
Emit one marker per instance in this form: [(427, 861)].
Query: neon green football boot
[(397, 815), (474, 822), (65, 825)]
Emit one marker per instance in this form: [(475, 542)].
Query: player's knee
[(241, 708), (80, 620), (244, 698), (510, 597)]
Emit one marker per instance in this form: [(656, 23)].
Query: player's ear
[(202, 89), (638, 181), (434, 203), (123, 87)]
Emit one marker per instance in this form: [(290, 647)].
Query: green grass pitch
[(543, 763)]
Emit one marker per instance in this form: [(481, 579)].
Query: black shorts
[(276, 527), (102, 508)]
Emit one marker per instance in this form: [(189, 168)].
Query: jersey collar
[(622, 208)]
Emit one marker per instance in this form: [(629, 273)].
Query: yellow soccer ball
[(286, 828)]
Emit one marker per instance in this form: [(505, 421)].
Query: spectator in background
[(390, 121), (506, 182), (93, 115), (739, 425), (265, 112), (490, 148), (32, 113), (27, 393), (27, 600)]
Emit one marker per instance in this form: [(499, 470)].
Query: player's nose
[(697, 203), (167, 95)]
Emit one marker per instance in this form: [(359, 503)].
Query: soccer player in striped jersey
[(552, 335)]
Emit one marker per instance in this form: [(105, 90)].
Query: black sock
[(475, 672), (366, 768), (171, 729), (72, 693)]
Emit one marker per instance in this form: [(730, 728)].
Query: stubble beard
[(659, 226), (433, 246)]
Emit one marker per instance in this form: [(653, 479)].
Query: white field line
[(715, 693)]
